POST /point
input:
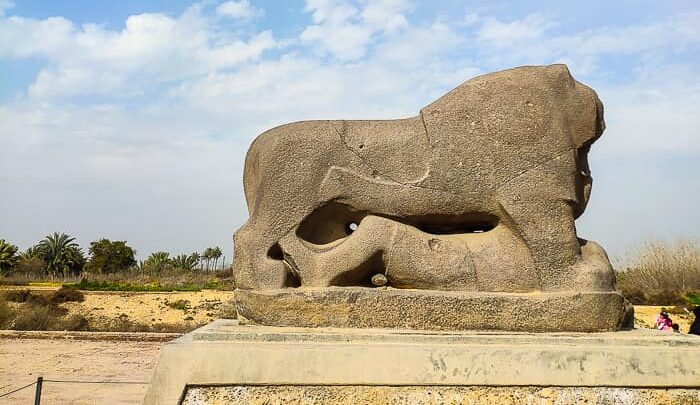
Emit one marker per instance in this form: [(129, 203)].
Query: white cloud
[(502, 33), (239, 10), (470, 19), (75, 81), (151, 48), (656, 111), (387, 15), (345, 31), (525, 41)]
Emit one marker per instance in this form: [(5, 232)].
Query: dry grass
[(662, 274), (36, 311), (171, 279), (124, 324), (67, 294)]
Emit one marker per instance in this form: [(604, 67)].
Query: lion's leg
[(543, 217), (547, 228), (256, 266)]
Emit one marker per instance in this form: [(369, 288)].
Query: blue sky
[(130, 119)]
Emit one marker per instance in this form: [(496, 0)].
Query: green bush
[(693, 298), (88, 285), (108, 256)]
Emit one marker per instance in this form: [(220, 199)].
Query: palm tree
[(31, 253), (186, 262), (8, 256), (158, 258), (61, 254), (208, 254), (157, 261), (31, 263), (216, 254)]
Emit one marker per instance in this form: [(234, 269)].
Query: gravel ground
[(23, 360)]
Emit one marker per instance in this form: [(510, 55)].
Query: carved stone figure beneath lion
[(461, 217)]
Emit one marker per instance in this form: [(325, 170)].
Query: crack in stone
[(378, 172), (537, 165)]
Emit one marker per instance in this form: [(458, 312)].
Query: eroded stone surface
[(477, 193), (432, 310), (436, 395)]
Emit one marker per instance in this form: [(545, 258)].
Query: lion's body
[(477, 151)]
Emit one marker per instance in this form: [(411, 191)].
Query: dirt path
[(23, 360)]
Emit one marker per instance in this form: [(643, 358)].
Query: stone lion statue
[(472, 201)]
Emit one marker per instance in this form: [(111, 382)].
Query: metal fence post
[(37, 395)]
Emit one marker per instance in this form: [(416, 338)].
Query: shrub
[(90, 285), (14, 280), (18, 295), (33, 317), (36, 317), (225, 273), (64, 294), (182, 305), (124, 324), (227, 311), (6, 314), (38, 300), (661, 274), (74, 323), (693, 298)]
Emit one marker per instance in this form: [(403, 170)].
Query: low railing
[(40, 381)]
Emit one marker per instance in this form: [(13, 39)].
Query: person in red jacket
[(663, 321)]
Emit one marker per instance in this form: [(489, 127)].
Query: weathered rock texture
[(387, 395), (476, 196)]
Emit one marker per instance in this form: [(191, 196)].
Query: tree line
[(58, 255)]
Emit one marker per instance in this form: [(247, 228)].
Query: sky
[(130, 120)]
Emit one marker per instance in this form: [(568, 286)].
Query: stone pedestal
[(357, 307), (229, 362)]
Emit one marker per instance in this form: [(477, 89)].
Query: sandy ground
[(199, 307), (23, 360), (193, 309)]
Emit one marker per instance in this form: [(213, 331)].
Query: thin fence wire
[(18, 389), (97, 382), (73, 382)]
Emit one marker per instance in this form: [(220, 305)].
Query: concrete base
[(228, 362)]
